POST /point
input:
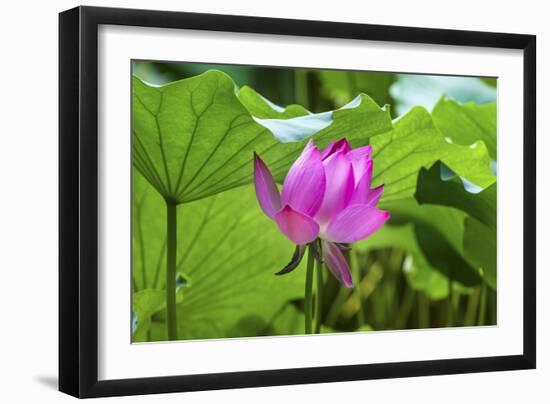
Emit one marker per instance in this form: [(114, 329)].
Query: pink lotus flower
[(326, 195)]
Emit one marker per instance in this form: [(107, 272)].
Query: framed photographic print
[(249, 201)]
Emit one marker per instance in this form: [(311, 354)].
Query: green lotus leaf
[(195, 137), (480, 226), (431, 189), (145, 304), (229, 249), (260, 107), (480, 247), (439, 232), (415, 143), (467, 123)]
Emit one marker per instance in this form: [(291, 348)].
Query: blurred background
[(393, 292), (322, 90)]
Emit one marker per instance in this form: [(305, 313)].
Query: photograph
[(274, 202), (281, 201)]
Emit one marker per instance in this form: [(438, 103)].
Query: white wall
[(28, 211)]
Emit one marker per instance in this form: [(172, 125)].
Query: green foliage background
[(195, 128)]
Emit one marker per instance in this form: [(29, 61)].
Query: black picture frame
[(78, 201)]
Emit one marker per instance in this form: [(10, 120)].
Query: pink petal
[(360, 152), (360, 158), (374, 196), (297, 227), (362, 188), (340, 145), (336, 263), (266, 189), (304, 185), (355, 223), (339, 186)]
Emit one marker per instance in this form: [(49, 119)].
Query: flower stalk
[(320, 284), (171, 249), (450, 298), (308, 295)]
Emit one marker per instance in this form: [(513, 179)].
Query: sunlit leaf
[(262, 108), (195, 137), (146, 303), (465, 124), (190, 135), (295, 124), (229, 249), (415, 143)]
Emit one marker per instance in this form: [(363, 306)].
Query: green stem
[(492, 306), (157, 283), (171, 243), (334, 310), (356, 272), (482, 305), (301, 91), (319, 307), (471, 309), (423, 311), (404, 313), (308, 296), (450, 308)]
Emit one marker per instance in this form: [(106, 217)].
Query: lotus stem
[(319, 306), (482, 304), (171, 243), (308, 296), (450, 307), (356, 271)]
